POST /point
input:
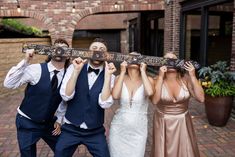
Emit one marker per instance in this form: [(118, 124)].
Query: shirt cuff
[(64, 96), (107, 103), (59, 120)]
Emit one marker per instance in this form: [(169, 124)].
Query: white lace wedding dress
[(128, 131)]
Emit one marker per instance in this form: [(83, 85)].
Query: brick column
[(168, 27), (124, 42), (232, 61), (172, 29)]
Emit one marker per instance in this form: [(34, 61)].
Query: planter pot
[(218, 109)]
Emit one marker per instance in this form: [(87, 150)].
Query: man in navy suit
[(35, 118), (87, 90)]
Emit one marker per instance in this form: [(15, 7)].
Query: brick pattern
[(168, 27), (97, 22), (61, 22), (212, 141), (232, 60), (171, 28), (58, 15), (124, 42)]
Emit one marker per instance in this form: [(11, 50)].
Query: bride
[(128, 130)]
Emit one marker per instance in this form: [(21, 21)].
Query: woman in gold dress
[(173, 133)]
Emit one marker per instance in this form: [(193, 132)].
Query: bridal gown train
[(128, 131), (173, 133)]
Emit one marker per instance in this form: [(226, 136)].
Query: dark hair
[(61, 41), (181, 71), (101, 40), (67, 63)]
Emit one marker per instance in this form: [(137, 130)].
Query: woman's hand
[(143, 67), (190, 68), (162, 71), (123, 67)]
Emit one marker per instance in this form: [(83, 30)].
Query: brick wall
[(33, 22), (58, 18), (58, 15), (172, 29), (232, 61), (10, 55), (124, 42), (104, 21)]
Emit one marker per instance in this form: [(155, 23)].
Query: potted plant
[(219, 87)]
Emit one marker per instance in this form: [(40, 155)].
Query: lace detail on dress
[(128, 131)]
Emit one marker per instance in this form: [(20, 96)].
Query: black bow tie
[(96, 71)]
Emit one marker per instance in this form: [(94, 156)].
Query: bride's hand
[(143, 67), (123, 67), (162, 71)]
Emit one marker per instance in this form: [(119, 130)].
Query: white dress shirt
[(91, 80), (24, 73)]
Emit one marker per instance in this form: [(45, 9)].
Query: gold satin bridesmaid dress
[(173, 132)]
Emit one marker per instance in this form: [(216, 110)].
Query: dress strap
[(183, 85)]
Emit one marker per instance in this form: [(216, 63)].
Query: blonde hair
[(170, 52), (134, 53)]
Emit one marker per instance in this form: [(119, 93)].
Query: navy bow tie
[(96, 71)]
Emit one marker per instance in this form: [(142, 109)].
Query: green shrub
[(217, 80)]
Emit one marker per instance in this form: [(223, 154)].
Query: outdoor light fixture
[(18, 9), (18, 6), (73, 10), (115, 5)]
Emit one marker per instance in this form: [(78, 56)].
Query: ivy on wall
[(17, 26)]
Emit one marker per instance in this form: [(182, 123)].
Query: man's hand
[(29, 55), (109, 68), (57, 130), (78, 63)]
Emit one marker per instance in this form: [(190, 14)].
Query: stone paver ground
[(213, 141)]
